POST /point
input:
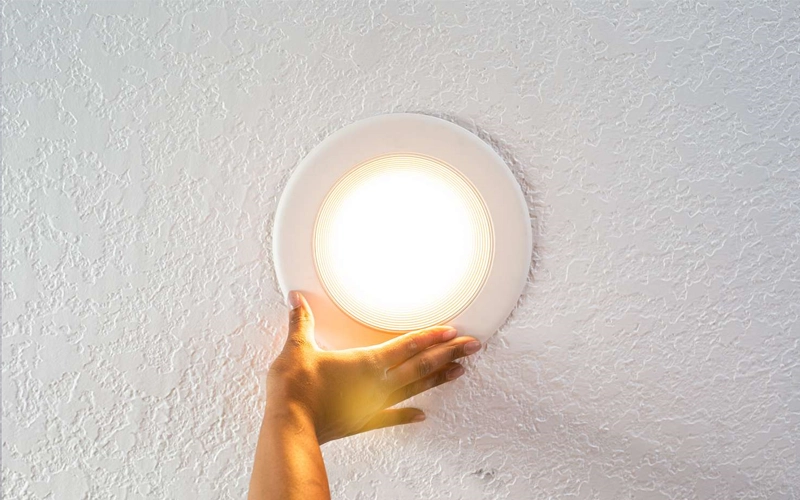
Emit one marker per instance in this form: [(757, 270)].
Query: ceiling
[(654, 352)]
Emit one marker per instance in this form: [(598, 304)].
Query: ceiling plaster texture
[(654, 353)]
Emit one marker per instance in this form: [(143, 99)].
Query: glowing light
[(402, 242)]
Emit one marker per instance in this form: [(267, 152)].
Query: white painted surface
[(655, 350)]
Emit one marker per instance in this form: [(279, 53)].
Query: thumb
[(301, 321)]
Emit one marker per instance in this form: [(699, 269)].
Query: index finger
[(395, 351)]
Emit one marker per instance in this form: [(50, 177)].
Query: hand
[(350, 391)]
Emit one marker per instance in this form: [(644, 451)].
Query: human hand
[(350, 391)]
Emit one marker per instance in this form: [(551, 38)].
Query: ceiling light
[(401, 222)]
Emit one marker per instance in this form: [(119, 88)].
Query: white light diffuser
[(400, 222), (403, 241)]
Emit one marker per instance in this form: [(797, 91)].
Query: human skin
[(316, 396)]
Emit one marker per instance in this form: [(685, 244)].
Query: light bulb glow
[(403, 241)]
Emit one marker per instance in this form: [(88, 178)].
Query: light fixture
[(403, 241), (400, 222)]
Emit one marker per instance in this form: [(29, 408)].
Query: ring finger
[(431, 359), (447, 373)]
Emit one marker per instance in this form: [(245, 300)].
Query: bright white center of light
[(402, 239), (403, 242)]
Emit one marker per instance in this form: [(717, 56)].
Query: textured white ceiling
[(654, 354)]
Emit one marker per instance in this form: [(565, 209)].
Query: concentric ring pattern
[(403, 241)]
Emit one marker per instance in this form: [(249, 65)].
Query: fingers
[(447, 373), (392, 417), (301, 321), (399, 349), (431, 360)]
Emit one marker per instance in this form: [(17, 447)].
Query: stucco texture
[(654, 354)]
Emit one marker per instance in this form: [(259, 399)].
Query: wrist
[(282, 409)]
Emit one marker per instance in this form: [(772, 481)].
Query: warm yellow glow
[(402, 242)]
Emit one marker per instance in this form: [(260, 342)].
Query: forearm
[(288, 463)]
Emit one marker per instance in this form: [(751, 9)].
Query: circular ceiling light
[(400, 222), (403, 241)]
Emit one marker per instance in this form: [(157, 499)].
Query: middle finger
[(430, 360)]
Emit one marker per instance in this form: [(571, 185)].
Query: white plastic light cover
[(400, 222), (403, 241)]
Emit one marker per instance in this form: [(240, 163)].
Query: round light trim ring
[(403, 241), (310, 183)]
